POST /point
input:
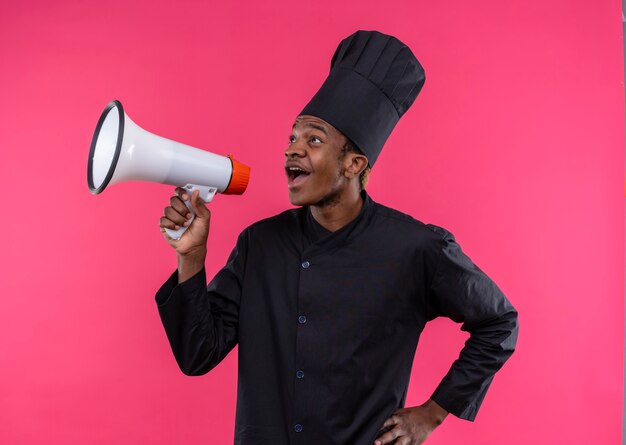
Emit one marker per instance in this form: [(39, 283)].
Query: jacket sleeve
[(462, 292), (201, 322)]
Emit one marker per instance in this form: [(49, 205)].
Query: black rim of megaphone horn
[(118, 146)]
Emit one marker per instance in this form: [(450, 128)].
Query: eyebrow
[(312, 125)]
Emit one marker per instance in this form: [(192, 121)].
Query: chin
[(319, 200), (297, 200), (300, 196)]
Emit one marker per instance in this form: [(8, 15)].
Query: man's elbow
[(194, 367), (511, 327), (192, 371), (497, 333)]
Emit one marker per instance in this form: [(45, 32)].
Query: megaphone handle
[(206, 194)]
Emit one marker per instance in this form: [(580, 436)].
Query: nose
[(295, 150)]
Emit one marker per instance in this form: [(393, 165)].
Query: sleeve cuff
[(171, 286), (461, 408)]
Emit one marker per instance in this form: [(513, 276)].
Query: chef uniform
[(327, 323)]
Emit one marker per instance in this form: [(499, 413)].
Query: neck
[(333, 216)]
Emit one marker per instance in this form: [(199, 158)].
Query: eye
[(292, 139), (315, 140)]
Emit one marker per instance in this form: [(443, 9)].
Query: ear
[(354, 164)]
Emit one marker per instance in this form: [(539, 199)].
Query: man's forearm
[(491, 343), (190, 264)]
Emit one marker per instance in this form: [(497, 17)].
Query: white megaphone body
[(123, 151)]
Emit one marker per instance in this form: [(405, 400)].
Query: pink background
[(516, 145)]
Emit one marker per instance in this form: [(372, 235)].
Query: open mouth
[(295, 175)]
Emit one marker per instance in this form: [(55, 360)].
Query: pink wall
[(516, 145)]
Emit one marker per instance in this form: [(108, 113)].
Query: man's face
[(315, 163)]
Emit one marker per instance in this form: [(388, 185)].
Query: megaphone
[(123, 151)]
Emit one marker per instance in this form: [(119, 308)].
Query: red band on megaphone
[(239, 178)]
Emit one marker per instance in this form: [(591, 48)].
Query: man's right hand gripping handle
[(191, 247)]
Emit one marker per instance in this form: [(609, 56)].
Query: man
[(327, 301)]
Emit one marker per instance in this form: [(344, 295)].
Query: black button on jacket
[(327, 324)]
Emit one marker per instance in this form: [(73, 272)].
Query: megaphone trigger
[(206, 194)]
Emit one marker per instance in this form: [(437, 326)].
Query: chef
[(327, 301)]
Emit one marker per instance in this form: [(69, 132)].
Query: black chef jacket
[(327, 323)]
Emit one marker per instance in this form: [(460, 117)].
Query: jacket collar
[(335, 240)]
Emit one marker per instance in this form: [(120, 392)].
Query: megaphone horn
[(123, 151)]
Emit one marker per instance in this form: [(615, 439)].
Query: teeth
[(297, 170)]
